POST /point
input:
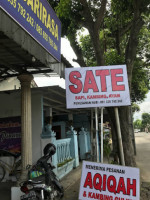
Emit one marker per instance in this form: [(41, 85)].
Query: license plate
[(30, 196)]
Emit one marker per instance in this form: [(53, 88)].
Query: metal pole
[(119, 137), (92, 132), (96, 125), (101, 135)]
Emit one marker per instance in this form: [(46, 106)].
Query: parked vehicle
[(136, 130), (13, 169), (42, 183)]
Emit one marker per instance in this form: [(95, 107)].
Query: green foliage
[(112, 58), (135, 108), (63, 9), (146, 121), (140, 77), (137, 124), (107, 148), (69, 13), (140, 81), (141, 74), (88, 51), (114, 36), (144, 42), (121, 13)]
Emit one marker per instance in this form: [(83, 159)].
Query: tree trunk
[(115, 150), (99, 54), (124, 116), (124, 113)]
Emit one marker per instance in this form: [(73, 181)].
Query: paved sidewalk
[(71, 184), (143, 155), (143, 162)]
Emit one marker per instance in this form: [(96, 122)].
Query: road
[(143, 155)]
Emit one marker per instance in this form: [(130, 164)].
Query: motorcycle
[(42, 183)]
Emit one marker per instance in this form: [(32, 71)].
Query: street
[(143, 155)]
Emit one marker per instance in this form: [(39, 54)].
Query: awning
[(20, 53)]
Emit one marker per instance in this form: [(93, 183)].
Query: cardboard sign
[(103, 86), (109, 182)]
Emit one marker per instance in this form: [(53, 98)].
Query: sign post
[(97, 137), (92, 152), (102, 135), (103, 86)]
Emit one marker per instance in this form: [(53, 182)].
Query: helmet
[(49, 149)]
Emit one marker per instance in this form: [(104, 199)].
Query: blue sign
[(39, 20)]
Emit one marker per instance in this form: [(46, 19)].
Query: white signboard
[(109, 182), (103, 86)]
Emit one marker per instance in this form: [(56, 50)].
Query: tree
[(146, 121), (119, 24), (140, 81), (138, 124), (140, 77), (135, 108)]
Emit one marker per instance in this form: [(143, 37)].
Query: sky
[(144, 108), (69, 54)]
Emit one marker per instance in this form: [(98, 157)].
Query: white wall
[(13, 84), (10, 84), (10, 105)]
